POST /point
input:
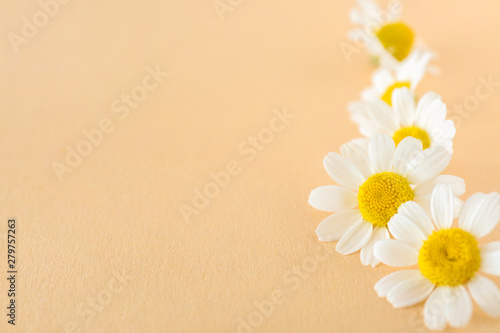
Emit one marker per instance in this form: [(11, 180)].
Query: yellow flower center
[(397, 38), (449, 257), (381, 195), (415, 132), (387, 96)]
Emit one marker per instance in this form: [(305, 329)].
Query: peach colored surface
[(118, 212)]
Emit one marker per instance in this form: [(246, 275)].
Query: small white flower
[(425, 120), (449, 259), (374, 181), (386, 38), (409, 74)]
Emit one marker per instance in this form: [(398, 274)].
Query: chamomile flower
[(374, 181), (409, 74), (386, 37), (449, 259), (425, 120)]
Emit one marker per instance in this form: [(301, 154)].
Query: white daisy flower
[(449, 259), (374, 181), (386, 38), (409, 74), (425, 120)]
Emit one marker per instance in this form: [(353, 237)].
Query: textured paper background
[(118, 211)]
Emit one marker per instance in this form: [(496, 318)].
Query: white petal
[(332, 198), (368, 127), (343, 171), (442, 134), (457, 185), (442, 206), (382, 79), (459, 307), (396, 253), (410, 292), (355, 16), (490, 258), (486, 215), (370, 94), (469, 211), (415, 213), (367, 9), (435, 309), (359, 112), (457, 207), (403, 103), (427, 99), (355, 238), (336, 225), (366, 255), (381, 149), (362, 142), (406, 151), (403, 228), (486, 294), (430, 111), (382, 116), (428, 164), (388, 282), (358, 155), (414, 67)]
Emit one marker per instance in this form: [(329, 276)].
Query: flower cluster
[(392, 202)]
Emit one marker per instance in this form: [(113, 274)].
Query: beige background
[(119, 209)]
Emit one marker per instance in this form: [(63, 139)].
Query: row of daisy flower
[(390, 184)]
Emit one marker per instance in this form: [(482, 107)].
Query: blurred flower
[(387, 39), (408, 75)]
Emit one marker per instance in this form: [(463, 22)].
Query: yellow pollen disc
[(387, 96), (381, 195), (449, 257), (397, 38), (415, 132)]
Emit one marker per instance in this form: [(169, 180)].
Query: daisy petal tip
[(339, 250), (378, 290), (397, 305), (370, 262)]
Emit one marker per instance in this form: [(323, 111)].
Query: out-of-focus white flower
[(385, 36)]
